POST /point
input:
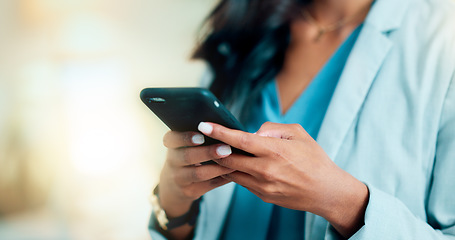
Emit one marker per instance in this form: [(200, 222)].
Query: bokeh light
[(79, 152)]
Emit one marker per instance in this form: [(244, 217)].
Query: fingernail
[(198, 139), (223, 150), (205, 128)]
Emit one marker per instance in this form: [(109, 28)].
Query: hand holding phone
[(182, 109)]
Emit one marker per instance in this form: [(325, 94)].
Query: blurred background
[(79, 152)]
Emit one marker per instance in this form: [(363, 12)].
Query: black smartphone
[(182, 109)]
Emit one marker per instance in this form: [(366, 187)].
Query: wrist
[(173, 204), (347, 212), (167, 221)]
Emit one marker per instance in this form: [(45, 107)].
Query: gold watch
[(166, 223)]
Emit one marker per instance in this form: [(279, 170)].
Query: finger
[(173, 139), (248, 142), (196, 190), (195, 174), (243, 179), (195, 155), (242, 163), (263, 190)]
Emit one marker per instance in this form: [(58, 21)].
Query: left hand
[(291, 170)]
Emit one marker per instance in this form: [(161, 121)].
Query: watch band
[(166, 223)]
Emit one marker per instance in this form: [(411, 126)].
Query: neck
[(329, 11)]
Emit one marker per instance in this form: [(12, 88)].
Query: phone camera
[(157, 100)]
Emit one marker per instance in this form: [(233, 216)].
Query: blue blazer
[(391, 124)]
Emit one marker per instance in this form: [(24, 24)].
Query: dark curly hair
[(245, 45)]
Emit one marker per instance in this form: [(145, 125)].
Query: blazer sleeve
[(153, 229), (386, 217)]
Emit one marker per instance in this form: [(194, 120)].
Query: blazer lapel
[(360, 70), (362, 67)]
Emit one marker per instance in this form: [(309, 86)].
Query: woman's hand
[(291, 170), (184, 179)]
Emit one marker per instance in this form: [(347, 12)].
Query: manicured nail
[(223, 150), (205, 128), (198, 139)]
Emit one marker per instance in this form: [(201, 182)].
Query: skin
[(289, 168), (183, 179), (305, 57)]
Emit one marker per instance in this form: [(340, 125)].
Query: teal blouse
[(308, 111)]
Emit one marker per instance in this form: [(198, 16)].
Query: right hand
[(183, 179)]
